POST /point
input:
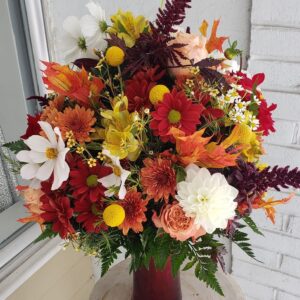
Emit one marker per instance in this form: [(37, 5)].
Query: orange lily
[(214, 42), (269, 204), (196, 149), (74, 84)]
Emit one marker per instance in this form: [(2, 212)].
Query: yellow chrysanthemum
[(157, 93), (113, 215), (128, 27), (114, 56)]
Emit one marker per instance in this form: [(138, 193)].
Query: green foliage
[(248, 220), (180, 173), (16, 147), (177, 260), (241, 239), (205, 270), (47, 233), (94, 146)]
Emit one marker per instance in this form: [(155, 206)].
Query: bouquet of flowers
[(149, 141)]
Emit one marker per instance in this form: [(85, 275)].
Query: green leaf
[(180, 173), (248, 220), (47, 233), (161, 251), (241, 240), (94, 146), (177, 260), (189, 265), (206, 271), (16, 147)]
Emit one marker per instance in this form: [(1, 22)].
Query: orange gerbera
[(51, 111), (135, 208), (158, 179), (78, 120)]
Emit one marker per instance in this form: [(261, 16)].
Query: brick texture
[(274, 50)]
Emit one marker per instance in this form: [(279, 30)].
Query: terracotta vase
[(156, 284)]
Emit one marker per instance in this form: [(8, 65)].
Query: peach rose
[(32, 203), (173, 221), (194, 50)]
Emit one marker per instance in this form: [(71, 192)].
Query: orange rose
[(194, 50), (173, 221), (32, 203)]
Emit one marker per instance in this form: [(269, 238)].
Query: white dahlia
[(207, 198)]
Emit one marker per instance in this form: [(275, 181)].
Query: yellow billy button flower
[(114, 56), (157, 93), (113, 215)]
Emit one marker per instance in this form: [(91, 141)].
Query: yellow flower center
[(117, 171), (113, 215), (92, 181), (174, 116), (51, 153)]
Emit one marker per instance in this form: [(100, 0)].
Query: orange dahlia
[(135, 208), (78, 120), (158, 179)]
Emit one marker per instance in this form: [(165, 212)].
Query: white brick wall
[(274, 50)]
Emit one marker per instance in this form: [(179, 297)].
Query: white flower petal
[(97, 42), (61, 174), (96, 10), (38, 157), (60, 143), (24, 156), (122, 192), (110, 180), (29, 171), (72, 26), (45, 170), (90, 26), (47, 128), (38, 143)]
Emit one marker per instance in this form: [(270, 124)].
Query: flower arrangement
[(150, 140)]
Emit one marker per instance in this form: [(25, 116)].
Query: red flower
[(33, 126), (176, 110), (265, 117), (90, 214), (135, 208), (84, 181), (57, 210), (138, 88)]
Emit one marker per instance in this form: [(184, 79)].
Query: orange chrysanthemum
[(158, 179), (135, 208), (78, 120), (51, 111)]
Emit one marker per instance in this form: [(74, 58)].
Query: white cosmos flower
[(94, 26), (73, 43), (207, 198), (46, 156), (117, 178)]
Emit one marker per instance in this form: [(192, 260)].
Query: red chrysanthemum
[(57, 210), (158, 179), (33, 126), (84, 181), (176, 110), (138, 88), (265, 117), (90, 215), (135, 208)]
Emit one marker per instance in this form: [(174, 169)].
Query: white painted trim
[(38, 39), (26, 264)]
